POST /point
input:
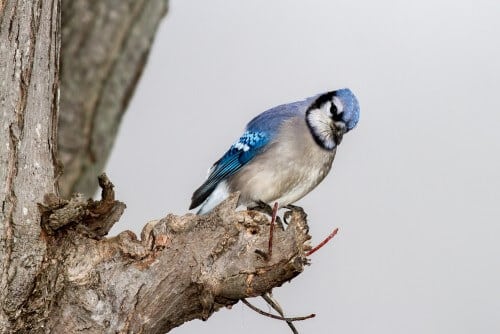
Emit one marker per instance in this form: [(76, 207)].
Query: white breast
[(292, 166)]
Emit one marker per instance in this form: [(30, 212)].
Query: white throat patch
[(321, 125)]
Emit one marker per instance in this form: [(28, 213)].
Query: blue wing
[(248, 146), (259, 132)]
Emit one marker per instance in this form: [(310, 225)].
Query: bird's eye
[(333, 109)]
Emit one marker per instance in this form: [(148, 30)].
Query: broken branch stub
[(92, 218)]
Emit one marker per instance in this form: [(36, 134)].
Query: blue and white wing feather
[(245, 149), (324, 119), (259, 132)]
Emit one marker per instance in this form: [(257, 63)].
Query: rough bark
[(183, 268), (29, 60), (105, 45), (59, 274)]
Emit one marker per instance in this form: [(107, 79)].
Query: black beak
[(338, 138), (338, 131)]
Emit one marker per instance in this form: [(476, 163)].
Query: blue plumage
[(350, 106), (270, 120), (283, 153), (249, 145)]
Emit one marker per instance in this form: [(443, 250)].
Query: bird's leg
[(268, 297)]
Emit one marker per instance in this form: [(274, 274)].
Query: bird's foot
[(268, 210), (262, 207), (292, 208)]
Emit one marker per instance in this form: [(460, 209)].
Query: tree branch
[(58, 272), (105, 45), (183, 268)]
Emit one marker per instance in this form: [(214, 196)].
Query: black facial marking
[(317, 104), (318, 141), (322, 100)]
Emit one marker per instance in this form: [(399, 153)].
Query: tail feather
[(212, 198), (201, 194)]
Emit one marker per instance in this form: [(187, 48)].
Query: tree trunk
[(60, 274), (105, 45), (29, 65)]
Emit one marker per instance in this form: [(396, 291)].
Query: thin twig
[(276, 316), (323, 242), (268, 297), (271, 230)]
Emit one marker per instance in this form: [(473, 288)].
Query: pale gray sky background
[(415, 187)]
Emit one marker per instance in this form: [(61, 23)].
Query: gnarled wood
[(183, 268)]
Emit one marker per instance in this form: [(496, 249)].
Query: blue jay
[(284, 153)]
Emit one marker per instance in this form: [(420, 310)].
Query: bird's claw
[(268, 210), (292, 208)]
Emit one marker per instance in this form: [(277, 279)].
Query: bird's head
[(331, 115)]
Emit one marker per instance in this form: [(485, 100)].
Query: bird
[(283, 153)]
